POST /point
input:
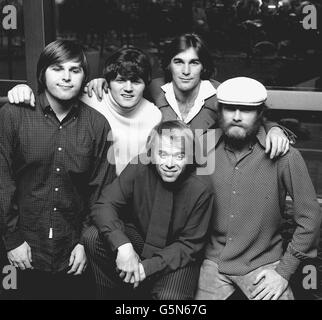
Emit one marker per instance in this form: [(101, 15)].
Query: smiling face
[(127, 92), (186, 70), (170, 157), (64, 80)]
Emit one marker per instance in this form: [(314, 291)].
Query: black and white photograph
[(160, 150)]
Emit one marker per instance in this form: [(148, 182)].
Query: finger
[(269, 296), (29, 254), (106, 86), (21, 266), (89, 89), (15, 97), (80, 269), (122, 274), (10, 97), (136, 278), (268, 144), (26, 97), (259, 277), (85, 88), (128, 277), (32, 100), (71, 259), (21, 95), (100, 91), (273, 149), (279, 147), (275, 296), (73, 268), (287, 147), (27, 264), (262, 294), (257, 290)]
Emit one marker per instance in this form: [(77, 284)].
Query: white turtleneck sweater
[(130, 126)]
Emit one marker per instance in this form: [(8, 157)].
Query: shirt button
[(231, 215), (230, 239), (60, 149), (57, 169), (46, 115), (234, 192), (56, 189), (236, 168), (55, 209), (60, 127)]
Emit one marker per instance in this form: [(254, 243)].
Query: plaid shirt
[(51, 172)]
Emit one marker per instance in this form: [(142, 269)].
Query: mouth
[(127, 96), (185, 79), (64, 86)]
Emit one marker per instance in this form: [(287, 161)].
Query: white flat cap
[(242, 91)]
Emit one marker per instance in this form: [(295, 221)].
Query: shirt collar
[(46, 108), (206, 91)]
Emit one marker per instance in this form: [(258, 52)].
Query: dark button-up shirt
[(50, 173), (250, 198), (172, 238)]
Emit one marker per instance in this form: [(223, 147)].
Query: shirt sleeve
[(291, 136), (106, 212), (307, 215), (185, 248), (103, 170), (9, 214)]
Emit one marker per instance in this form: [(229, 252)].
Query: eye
[(180, 156), (162, 155), (55, 68), (195, 62), (77, 70)]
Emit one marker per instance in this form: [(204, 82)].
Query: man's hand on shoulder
[(277, 143), (21, 93), (96, 85), (20, 257)]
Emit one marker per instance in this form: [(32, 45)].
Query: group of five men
[(150, 217)]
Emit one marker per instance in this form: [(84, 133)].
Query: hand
[(21, 93), (96, 85), (276, 142), (272, 286), (127, 263), (21, 257), (77, 260), (141, 275)]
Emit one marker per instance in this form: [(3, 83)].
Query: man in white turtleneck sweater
[(130, 115)]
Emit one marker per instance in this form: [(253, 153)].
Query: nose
[(186, 69), (169, 162), (128, 86), (66, 75), (237, 117)]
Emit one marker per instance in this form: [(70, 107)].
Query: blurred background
[(263, 39)]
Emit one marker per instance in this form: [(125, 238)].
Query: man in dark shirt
[(53, 163), (245, 248), (152, 222)]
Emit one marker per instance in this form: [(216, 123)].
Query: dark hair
[(182, 43), (176, 130), (60, 51), (130, 63)]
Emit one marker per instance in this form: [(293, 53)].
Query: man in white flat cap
[(245, 247)]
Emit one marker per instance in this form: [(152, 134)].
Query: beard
[(237, 136)]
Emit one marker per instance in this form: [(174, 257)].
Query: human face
[(186, 70), (239, 122), (126, 92), (64, 80), (169, 157)]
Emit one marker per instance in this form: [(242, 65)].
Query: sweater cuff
[(116, 238), (288, 265), (152, 265), (13, 240)]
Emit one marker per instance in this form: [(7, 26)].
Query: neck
[(60, 107), (186, 97)]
